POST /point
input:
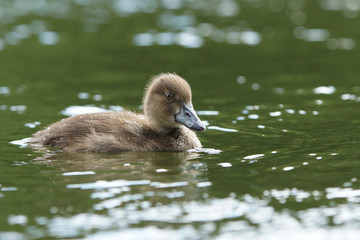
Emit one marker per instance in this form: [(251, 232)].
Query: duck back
[(113, 132)]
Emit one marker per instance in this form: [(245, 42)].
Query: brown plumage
[(168, 115)]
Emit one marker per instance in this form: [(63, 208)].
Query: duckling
[(168, 124)]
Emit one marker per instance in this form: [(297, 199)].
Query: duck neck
[(162, 129), (159, 125)]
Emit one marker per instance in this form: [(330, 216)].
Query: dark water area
[(276, 81)]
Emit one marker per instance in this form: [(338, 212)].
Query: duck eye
[(169, 96)]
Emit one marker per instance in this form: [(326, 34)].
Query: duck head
[(167, 104)]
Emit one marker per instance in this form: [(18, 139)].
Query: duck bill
[(187, 117)]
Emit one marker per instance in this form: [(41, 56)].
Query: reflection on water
[(120, 204), (190, 38), (162, 194), (120, 161), (171, 25), (141, 184), (323, 35)]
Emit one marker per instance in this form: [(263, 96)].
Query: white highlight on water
[(78, 173), (324, 90), (225, 164), (222, 129)]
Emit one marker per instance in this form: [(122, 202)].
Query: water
[(276, 82)]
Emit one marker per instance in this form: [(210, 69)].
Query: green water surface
[(276, 81)]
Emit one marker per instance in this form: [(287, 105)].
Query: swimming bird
[(167, 124)]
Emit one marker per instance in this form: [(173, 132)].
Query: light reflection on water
[(182, 201), (171, 27), (245, 216)]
